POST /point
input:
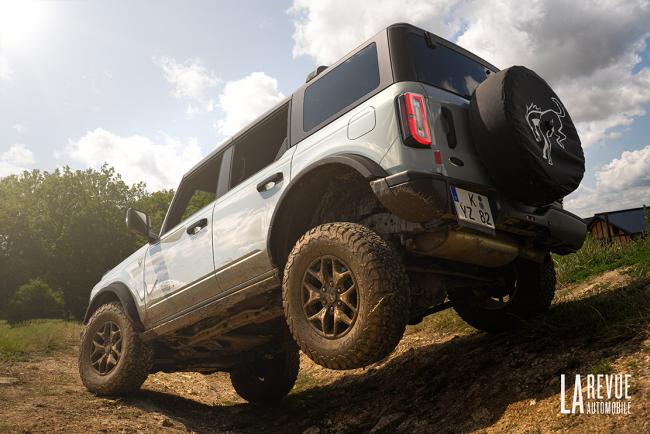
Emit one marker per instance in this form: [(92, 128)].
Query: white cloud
[(244, 100), (6, 73), (588, 51), (622, 183), (241, 101), (160, 163), (20, 128), (325, 30), (192, 81), (17, 159), (632, 169)]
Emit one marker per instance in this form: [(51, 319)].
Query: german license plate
[(472, 207)]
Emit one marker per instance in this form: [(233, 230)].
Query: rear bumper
[(425, 197)]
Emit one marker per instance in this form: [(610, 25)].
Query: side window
[(198, 200), (195, 191), (351, 80), (260, 146)]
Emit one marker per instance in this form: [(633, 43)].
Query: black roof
[(630, 221)]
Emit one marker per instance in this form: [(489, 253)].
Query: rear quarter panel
[(335, 138)]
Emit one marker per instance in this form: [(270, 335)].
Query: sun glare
[(20, 22)]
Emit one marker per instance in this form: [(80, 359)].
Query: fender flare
[(364, 166), (122, 292)]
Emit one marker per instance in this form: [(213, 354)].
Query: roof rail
[(315, 72)]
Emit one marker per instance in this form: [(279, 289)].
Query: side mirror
[(139, 222)]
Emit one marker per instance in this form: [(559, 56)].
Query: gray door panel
[(241, 223)]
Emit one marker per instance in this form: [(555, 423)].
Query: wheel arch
[(116, 291), (300, 208)]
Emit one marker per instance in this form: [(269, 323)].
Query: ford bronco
[(408, 177)]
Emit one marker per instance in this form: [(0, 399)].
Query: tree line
[(61, 231)]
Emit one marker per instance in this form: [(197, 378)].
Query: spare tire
[(525, 137)]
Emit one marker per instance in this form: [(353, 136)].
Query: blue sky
[(93, 66), (150, 87)]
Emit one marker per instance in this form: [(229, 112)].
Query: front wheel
[(345, 295), (528, 290), (267, 378), (113, 360)]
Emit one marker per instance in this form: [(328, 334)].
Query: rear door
[(260, 170)]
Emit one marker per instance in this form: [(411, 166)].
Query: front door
[(179, 268)]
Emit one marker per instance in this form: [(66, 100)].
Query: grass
[(444, 322), (596, 257), (305, 382), (610, 316), (36, 337), (602, 367)]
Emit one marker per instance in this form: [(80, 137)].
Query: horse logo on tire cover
[(546, 126)]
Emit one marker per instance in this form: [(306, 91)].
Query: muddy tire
[(268, 378), (530, 292), (345, 295), (112, 358)]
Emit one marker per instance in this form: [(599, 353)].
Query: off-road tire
[(383, 294), (533, 292), (266, 379), (133, 366)]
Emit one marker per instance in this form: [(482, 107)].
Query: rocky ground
[(444, 377)]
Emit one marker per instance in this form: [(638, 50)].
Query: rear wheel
[(345, 296), (529, 290), (112, 358), (268, 378)]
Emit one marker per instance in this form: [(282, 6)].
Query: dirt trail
[(461, 381)]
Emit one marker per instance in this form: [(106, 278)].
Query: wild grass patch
[(611, 316), (596, 257), (305, 382), (444, 322), (36, 337)]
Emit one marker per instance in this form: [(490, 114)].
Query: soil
[(463, 381)]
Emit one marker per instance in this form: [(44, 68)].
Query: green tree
[(20, 246), (155, 205), (66, 227), (33, 300)]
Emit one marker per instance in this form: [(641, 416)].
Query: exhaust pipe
[(472, 248)]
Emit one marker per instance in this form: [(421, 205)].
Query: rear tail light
[(413, 120)]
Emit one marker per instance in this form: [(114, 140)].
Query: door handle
[(270, 182), (197, 226)]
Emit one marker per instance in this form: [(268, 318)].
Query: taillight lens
[(413, 120)]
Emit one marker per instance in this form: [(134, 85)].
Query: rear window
[(438, 65), (345, 84)]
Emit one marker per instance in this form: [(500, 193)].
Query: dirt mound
[(443, 377)]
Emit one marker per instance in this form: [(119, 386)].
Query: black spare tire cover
[(525, 137)]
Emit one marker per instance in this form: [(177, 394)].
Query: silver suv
[(408, 177)]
